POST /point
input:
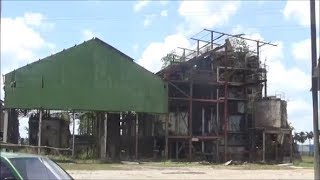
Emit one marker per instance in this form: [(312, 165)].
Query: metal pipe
[(39, 132), (198, 48), (190, 121), (315, 86), (73, 131), (211, 40), (238, 36), (226, 108), (217, 119), (197, 100)]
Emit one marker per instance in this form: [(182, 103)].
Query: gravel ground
[(192, 173)]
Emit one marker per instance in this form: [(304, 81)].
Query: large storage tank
[(271, 112)]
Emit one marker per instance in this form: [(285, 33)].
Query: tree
[(239, 45), (302, 139), (170, 58), (296, 138), (309, 136)]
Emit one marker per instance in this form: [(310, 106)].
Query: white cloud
[(299, 11), (87, 34), (151, 57), (35, 19), (149, 19), (164, 2), (21, 42), (206, 14), (213, 13), (300, 114), (139, 5), (164, 13), (135, 47), (301, 51)]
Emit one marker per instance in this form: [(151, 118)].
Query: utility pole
[(315, 87)]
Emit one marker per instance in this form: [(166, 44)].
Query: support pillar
[(190, 121), (105, 135), (202, 129), (263, 146), (5, 126), (167, 140), (177, 150), (39, 132), (291, 147), (137, 136), (73, 131)]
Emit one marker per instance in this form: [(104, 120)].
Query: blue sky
[(147, 30)]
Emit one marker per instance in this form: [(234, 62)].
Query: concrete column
[(73, 131), (137, 136), (263, 146), (39, 131), (166, 138), (5, 126), (105, 136), (202, 129)]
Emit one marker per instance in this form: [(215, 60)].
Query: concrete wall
[(270, 113)]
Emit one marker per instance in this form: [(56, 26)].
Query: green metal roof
[(89, 76)]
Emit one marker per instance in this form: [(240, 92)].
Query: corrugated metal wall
[(90, 76)]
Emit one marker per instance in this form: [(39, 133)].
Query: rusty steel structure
[(212, 93)]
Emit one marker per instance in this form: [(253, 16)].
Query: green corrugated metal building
[(90, 76)]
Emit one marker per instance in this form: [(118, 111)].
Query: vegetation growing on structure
[(171, 58)]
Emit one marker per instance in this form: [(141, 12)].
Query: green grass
[(90, 166), (307, 162)]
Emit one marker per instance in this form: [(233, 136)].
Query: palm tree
[(309, 136), (296, 138)]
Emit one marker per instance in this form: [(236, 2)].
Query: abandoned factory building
[(209, 104)]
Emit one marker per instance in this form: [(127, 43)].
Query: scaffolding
[(211, 95)]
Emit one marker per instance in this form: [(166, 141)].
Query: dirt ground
[(192, 173)]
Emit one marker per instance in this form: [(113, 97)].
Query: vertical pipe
[(198, 47), (5, 126), (258, 51), (137, 136), (73, 131), (211, 40), (315, 86), (265, 81), (217, 109), (263, 146), (190, 121), (202, 143), (225, 106), (39, 132)]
